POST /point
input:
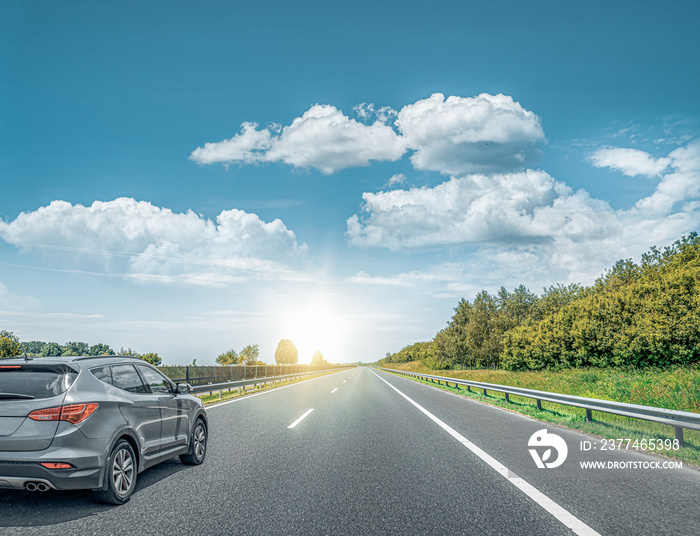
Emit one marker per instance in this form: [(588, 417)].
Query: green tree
[(286, 353), (229, 357), (9, 344), (317, 359), (151, 358), (250, 354), (75, 348), (100, 349), (34, 347), (51, 349)]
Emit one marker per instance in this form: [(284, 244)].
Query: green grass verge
[(604, 425)]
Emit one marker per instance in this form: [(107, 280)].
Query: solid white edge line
[(300, 419), (559, 512)]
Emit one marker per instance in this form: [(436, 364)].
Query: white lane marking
[(563, 515), (334, 390), (300, 419), (266, 391)]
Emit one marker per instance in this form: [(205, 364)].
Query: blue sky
[(185, 179)]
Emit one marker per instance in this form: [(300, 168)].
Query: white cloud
[(519, 207), (486, 133), (630, 162), (399, 178), (247, 147), (323, 138), (142, 241), (10, 301), (530, 224), (680, 186)]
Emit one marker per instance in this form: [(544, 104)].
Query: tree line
[(11, 346), (635, 315), (285, 354)]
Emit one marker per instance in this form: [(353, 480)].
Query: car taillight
[(74, 413), (59, 465)]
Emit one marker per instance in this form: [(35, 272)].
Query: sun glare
[(316, 326)]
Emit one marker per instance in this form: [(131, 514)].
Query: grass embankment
[(677, 389)]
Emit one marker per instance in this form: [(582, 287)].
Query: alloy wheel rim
[(123, 472), (200, 442)]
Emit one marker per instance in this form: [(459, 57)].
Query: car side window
[(104, 374), (125, 377), (155, 380)]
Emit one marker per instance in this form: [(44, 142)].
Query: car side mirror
[(184, 388)]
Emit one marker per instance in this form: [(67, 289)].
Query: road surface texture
[(364, 452)]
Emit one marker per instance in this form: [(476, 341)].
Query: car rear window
[(34, 382)]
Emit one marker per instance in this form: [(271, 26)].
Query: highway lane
[(366, 460)]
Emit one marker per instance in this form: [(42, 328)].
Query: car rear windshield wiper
[(14, 395)]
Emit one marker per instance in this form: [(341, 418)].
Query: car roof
[(81, 360)]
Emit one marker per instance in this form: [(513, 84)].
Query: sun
[(316, 326)]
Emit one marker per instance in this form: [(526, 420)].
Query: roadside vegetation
[(636, 315)]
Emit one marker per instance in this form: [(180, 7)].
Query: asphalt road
[(377, 454)]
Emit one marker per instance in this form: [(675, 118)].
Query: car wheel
[(121, 475), (198, 443)]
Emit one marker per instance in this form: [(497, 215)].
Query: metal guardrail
[(678, 419), (238, 384)]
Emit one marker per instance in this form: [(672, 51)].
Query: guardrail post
[(679, 435), (539, 404), (508, 397), (469, 388), (485, 393), (589, 415)]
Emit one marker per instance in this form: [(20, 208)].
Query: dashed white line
[(300, 419), (344, 381), (334, 390), (559, 512)]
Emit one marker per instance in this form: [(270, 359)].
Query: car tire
[(198, 445), (120, 474)]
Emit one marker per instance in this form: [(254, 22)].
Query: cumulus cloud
[(139, 240), (247, 147), (530, 223), (322, 138), (630, 162), (453, 135), (681, 185), (504, 208), (486, 133)]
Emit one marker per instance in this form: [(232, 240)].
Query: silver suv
[(93, 423)]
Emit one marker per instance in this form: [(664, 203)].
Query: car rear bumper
[(19, 475), (87, 457)]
